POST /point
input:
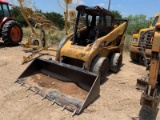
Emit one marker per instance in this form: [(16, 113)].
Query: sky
[(126, 7)]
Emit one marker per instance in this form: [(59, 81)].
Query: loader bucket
[(68, 86)]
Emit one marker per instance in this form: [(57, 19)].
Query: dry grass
[(127, 42), (52, 39), (57, 36), (26, 32)]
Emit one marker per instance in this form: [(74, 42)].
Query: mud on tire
[(115, 62), (100, 65), (12, 33)]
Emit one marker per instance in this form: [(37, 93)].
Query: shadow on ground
[(2, 45), (146, 114), (109, 73), (137, 63)]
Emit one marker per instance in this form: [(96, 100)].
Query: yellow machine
[(135, 53), (96, 46), (151, 94), (82, 61)]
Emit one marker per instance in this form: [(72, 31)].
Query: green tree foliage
[(57, 19), (15, 12), (117, 14), (136, 22)]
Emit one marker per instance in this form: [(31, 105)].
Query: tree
[(117, 14), (136, 22), (15, 12), (57, 19)]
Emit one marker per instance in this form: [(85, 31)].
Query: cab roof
[(4, 2), (94, 11)]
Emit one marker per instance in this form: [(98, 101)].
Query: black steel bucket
[(70, 87)]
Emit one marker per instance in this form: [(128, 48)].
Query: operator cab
[(155, 21), (91, 23), (4, 10)]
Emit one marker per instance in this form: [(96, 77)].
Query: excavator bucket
[(68, 86), (142, 82)]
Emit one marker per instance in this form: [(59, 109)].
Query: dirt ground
[(119, 100)]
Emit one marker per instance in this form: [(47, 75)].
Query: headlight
[(135, 40)]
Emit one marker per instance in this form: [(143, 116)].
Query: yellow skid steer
[(82, 61)]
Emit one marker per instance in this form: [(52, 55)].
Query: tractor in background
[(10, 30)]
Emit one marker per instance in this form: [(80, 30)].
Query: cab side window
[(1, 12), (105, 26), (6, 10), (155, 21)]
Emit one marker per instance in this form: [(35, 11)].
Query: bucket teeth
[(44, 97), (74, 112), (64, 107), (22, 84), (29, 88), (16, 81), (37, 92), (53, 102)]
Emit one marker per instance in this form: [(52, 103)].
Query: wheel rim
[(15, 33)]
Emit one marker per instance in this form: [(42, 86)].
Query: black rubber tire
[(115, 62), (134, 57), (40, 42), (100, 65), (35, 42), (6, 33)]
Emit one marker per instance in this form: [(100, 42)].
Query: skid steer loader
[(82, 61)]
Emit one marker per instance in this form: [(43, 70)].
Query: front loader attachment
[(68, 86)]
